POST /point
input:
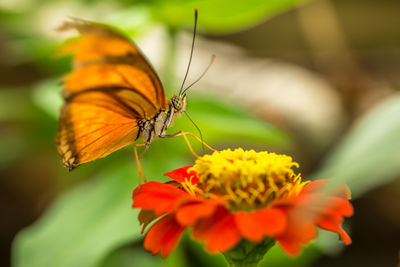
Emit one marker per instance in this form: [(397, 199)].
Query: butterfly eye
[(177, 102)]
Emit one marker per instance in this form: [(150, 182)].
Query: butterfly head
[(178, 103)]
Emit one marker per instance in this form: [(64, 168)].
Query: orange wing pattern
[(93, 125), (102, 47), (111, 88)]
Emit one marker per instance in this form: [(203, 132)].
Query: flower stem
[(242, 264), (248, 254)]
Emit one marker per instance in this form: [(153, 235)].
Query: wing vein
[(98, 129), (97, 139)]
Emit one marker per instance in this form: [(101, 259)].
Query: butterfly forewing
[(93, 76), (99, 45), (110, 90)]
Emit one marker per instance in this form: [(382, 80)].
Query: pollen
[(248, 179)]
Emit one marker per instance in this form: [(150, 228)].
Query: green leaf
[(132, 256), (369, 155), (200, 257), (83, 225), (14, 104), (220, 15), (177, 258), (47, 96), (247, 253), (276, 257)]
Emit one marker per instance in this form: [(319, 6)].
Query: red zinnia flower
[(234, 195)]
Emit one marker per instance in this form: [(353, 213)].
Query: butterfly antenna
[(191, 52), (198, 129), (202, 75)]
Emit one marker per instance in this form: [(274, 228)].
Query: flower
[(231, 196)]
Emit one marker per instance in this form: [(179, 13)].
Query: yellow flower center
[(247, 179)]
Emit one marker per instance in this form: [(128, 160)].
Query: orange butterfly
[(113, 97)]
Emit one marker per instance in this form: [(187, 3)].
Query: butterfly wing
[(110, 90), (103, 57), (92, 125)]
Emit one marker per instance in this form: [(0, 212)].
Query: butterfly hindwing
[(92, 126)]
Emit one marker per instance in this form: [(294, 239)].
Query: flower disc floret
[(247, 179)]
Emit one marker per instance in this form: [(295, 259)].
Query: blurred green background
[(317, 80)]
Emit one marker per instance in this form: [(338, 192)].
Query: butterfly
[(113, 96)]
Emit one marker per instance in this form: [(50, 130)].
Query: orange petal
[(182, 174), (158, 197), (190, 213), (163, 236), (219, 232), (256, 225)]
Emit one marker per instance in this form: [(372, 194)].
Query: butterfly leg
[(184, 134), (198, 139), (144, 150), (141, 173)]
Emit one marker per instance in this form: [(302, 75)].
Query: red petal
[(344, 236), (190, 213), (219, 232), (182, 174), (158, 197), (300, 229), (314, 186), (313, 207), (317, 186), (329, 223), (333, 207), (330, 213), (163, 236), (256, 225), (334, 225), (301, 226), (290, 246)]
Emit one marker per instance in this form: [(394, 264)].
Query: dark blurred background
[(317, 80)]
